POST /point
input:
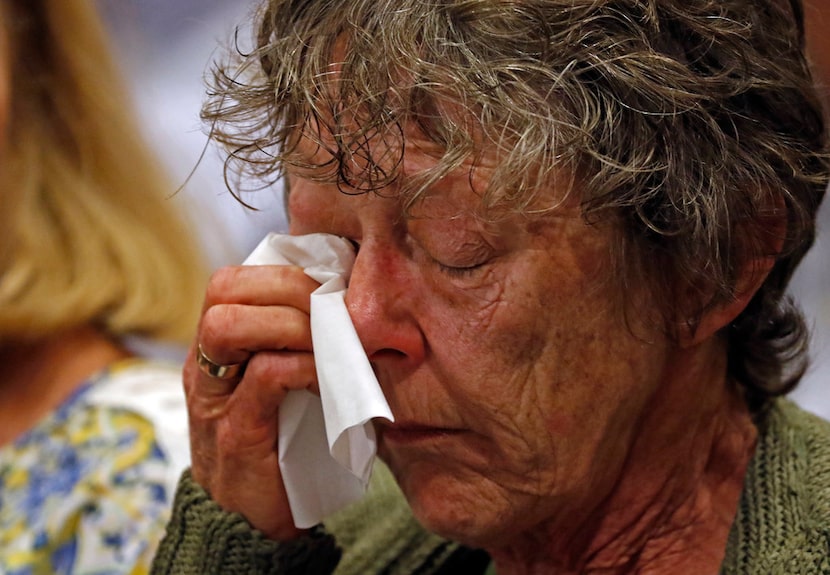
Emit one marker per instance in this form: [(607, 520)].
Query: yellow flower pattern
[(83, 492)]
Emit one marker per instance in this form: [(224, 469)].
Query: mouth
[(410, 433)]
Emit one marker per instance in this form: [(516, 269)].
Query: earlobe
[(769, 231), (719, 315)]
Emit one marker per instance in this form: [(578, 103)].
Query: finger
[(244, 473), (207, 396), (210, 385), (231, 333), (254, 406), (217, 370), (260, 285), (267, 377)]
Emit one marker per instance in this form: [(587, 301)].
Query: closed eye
[(460, 271)]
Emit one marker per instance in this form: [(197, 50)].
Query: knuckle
[(216, 324), (281, 371), (221, 282), (289, 272), (295, 276), (266, 367)]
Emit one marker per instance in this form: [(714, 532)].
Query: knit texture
[(783, 523), (202, 539), (782, 526), (380, 535)]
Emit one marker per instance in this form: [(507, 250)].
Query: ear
[(718, 316), (768, 231)]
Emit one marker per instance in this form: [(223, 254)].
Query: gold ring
[(217, 370)]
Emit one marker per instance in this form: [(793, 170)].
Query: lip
[(408, 433)]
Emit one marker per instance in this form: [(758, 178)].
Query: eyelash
[(459, 272), (452, 271)]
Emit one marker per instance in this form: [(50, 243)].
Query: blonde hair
[(90, 235)]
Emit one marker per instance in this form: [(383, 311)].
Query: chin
[(456, 508)]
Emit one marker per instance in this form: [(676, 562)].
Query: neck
[(40, 375), (673, 505)]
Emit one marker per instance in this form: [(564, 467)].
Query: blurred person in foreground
[(574, 223), (91, 255)]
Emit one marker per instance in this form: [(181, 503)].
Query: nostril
[(385, 353)]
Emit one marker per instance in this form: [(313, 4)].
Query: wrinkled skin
[(259, 313), (486, 341), (526, 407)]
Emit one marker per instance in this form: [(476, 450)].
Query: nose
[(380, 302)]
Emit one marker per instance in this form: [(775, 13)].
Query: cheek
[(487, 343), (541, 353), (516, 323), (466, 313)]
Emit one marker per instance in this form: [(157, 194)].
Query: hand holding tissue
[(327, 444)]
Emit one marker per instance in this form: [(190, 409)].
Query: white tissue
[(327, 444)]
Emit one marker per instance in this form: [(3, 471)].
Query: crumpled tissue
[(327, 444)]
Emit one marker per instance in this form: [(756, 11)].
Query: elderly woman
[(574, 222)]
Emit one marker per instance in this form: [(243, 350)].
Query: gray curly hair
[(688, 123)]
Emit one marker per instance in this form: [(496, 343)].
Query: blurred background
[(166, 46)]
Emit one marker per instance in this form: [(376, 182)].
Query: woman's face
[(514, 383)]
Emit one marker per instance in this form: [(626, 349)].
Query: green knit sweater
[(782, 526)]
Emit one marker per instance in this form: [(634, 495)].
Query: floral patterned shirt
[(88, 490)]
